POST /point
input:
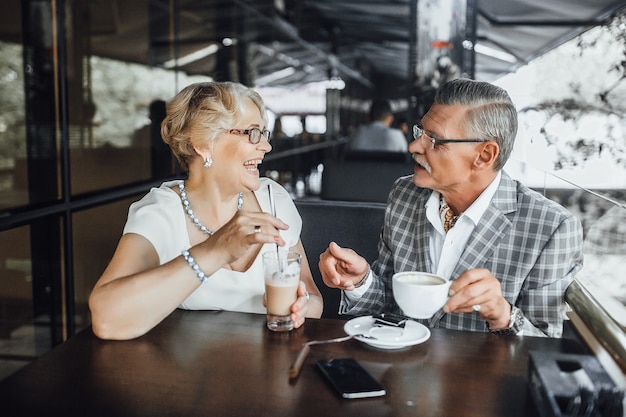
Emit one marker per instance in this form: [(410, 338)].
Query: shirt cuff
[(358, 292)]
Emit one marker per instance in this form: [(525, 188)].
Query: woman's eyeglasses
[(254, 134), (418, 132)]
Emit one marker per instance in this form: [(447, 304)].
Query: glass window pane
[(602, 213), (605, 249), (118, 95), (13, 163), (96, 233), (22, 338)]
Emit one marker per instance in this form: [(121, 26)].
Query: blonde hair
[(200, 112)]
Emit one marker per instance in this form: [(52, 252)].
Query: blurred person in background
[(378, 135)]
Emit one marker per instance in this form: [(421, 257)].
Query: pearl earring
[(208, 162)]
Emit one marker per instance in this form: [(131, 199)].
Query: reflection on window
[(120, 141), (602, 214), (13, 172), (605, 257), (21, 339)]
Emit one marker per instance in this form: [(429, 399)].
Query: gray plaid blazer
[(531, 244)]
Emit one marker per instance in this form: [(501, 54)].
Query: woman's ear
[(203, 152), (198, 150)]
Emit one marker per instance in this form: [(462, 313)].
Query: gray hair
[(200, 112), (492, 114)]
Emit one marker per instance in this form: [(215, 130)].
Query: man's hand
[(341, 267), (478, 290)]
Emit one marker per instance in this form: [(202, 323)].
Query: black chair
[(352, 180), (352, 225), (377, 156)]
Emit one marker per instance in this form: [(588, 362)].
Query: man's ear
[(488, 154)]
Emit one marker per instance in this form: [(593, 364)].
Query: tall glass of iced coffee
[(282, 276)]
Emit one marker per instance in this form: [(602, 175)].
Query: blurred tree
[(587, 119), (12, 129)]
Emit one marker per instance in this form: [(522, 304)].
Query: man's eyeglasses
[(418, 132), (254, 134)]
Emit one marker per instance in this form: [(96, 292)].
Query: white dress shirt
[(446, 248)]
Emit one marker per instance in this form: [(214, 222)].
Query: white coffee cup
[(419, 294)]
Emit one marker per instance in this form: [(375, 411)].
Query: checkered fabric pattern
[(531, 244)]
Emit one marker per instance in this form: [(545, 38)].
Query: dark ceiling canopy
[(294, 42)]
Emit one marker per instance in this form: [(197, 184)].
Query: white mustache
[(419, 159)]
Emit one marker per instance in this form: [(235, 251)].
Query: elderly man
[(510, 252)]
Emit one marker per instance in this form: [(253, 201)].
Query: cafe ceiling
[(293, 42)]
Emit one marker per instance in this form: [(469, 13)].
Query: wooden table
[(229, 364)]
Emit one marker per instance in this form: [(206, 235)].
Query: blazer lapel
[(488, 232), (410, 229), (422, 240), (482, 241), (491, 227)]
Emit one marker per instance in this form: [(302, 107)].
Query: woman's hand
[(245, 232), (300, 307)]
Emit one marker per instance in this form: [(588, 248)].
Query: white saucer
[(387, 337)]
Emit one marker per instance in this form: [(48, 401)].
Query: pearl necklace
[(189, 211)]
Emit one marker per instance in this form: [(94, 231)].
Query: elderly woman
[(197, 243)]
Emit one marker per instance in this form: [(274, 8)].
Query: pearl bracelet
[(196, 268)]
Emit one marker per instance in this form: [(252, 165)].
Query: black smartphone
[(348, 377)]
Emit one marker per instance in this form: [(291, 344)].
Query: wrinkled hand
[(245, 232), (478, 287), (342, 268)]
